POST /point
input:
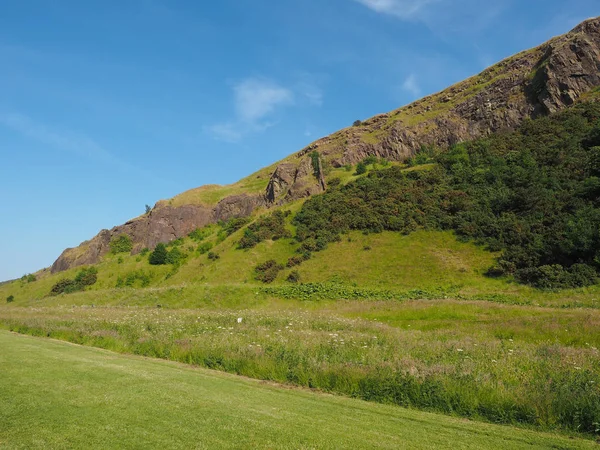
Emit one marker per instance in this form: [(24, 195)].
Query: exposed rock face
[(534, 82), (293, 181), (162, 224), (538, 81)]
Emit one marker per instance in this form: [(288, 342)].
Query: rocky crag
[(532, 83)]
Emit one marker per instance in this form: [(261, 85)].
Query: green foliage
[(199, 234), (357, 123), (532, 194), (29, 278), (148, 209), (145, 251), (205, 247), (316, 163), (267, 271), (370, 160), (85, 277), (10, 299), (159, 256), (175, 256), (232, 225), (138, 278), (213, 256), (121, 244), (361, 168), (268, 227)]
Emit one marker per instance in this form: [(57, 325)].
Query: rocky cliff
[(535, 82)]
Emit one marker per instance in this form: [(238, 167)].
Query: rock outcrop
[(535, 82), (162, 224)]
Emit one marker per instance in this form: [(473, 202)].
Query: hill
[(533, 83)]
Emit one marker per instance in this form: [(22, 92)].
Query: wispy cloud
[(404, 9), (257, 102), (411, 85), (76, 143), (256, 98)]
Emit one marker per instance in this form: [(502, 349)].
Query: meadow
[(57, 395), (510, 364)]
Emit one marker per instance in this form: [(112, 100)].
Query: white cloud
[(256, 104), (256, 98), (404, 9), (411, 85)]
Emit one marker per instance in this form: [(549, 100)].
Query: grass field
[(500, 363), (57, 395)]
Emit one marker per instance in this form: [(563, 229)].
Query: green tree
[(159, 256)]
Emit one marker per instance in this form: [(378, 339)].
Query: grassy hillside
[(58, 395)]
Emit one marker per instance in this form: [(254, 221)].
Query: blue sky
[(106, 106)]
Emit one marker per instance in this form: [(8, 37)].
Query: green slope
[(57, 395)]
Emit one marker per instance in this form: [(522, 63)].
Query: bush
[(232, 225), (85, 277), (29, 278), (175, 256), (360, 168), (10, 299), (213, 256), (267, 271), (159, 256), (294, 277), (357, 123), (204, 247), (199, 234), (120, 244), (268, 227)]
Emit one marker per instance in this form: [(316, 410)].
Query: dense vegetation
[(532, 194), (268, 227), (121, 244), (85, 277)]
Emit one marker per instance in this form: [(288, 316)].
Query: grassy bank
[(500, 363), (56, 395)]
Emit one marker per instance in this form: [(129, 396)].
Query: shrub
[(357, 123), (120, 244), (293, 277), (199, 234), (159, 256), (268, 227), (267, 271), (86, 277), (204, 247), (135, 279), (29, 278), (175, 256), (148, 209), (10, 299), (213, 256), (232, 225), (360, 168)]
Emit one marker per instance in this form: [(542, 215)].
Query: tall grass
[(471, 374)]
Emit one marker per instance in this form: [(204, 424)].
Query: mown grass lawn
[(58, 395)]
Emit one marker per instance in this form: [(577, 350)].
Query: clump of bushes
[(161, 256), (267, 271), (138, 278), (199, 234), (268, 227), (232, 225), (120, 244), (213, 256), (294, 277), (85, 277), (29, 278), (204, 247), (10, 299)]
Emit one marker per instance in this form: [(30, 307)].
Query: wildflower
[(459, 350), (239, 320)]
